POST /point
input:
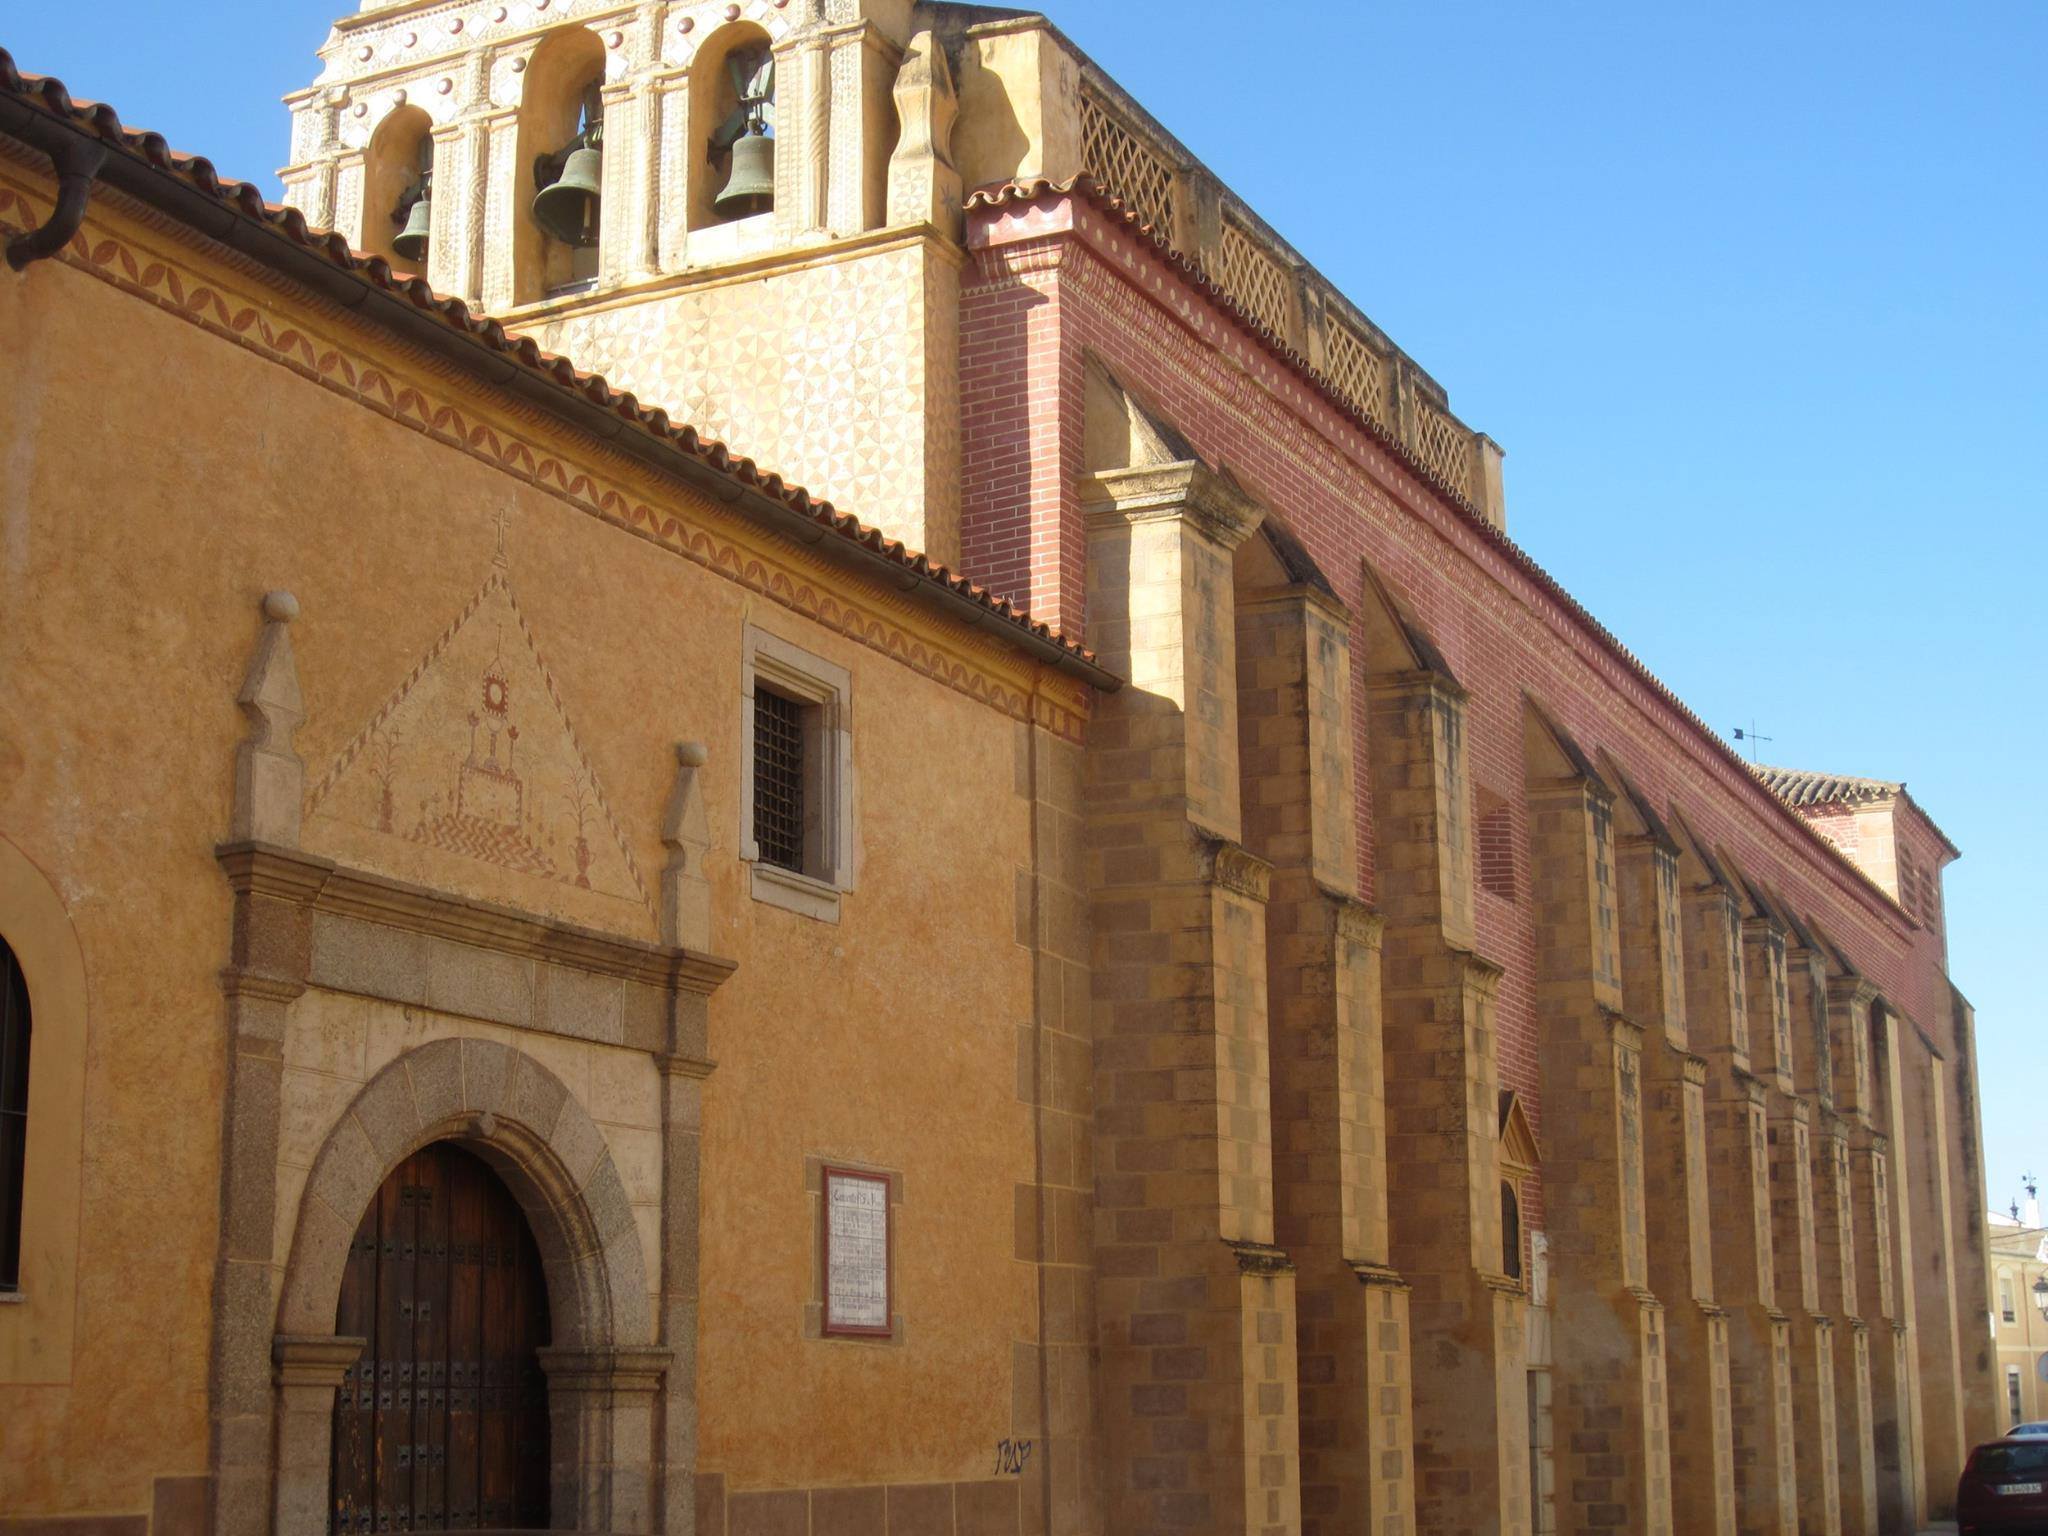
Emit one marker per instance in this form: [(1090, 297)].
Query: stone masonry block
[(389, 1115), (348, 1172), (370, 959), (573, 1002), (536, 1097), (479, 984), (436, 1072), (486, 1075)]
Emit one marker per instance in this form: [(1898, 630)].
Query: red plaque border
[(826, 1174)]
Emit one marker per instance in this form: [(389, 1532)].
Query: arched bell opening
[(732, 121), (398, 190), (559, 190), (442, 1422)]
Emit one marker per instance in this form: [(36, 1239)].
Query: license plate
[(2020, 1488)]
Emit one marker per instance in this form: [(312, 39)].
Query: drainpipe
[(78, 161)]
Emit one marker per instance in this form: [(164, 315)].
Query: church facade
[(768, 786)]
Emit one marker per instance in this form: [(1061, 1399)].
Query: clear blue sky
[(1752, 293)]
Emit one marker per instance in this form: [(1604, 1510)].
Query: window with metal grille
[(13, 1113), (779, 779)]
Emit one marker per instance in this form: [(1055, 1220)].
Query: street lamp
[(2041, 1296)]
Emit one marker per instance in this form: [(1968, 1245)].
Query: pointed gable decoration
[(1274, 559), (473, 759), (1395, 641), (1520, 1157), (1121, 433), (1550, 751), (1636, 817), (1697, 863), (1758, 901)]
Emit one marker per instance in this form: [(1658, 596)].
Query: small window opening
[(779, 779), (2005, 1302), (1510, 1232), (14, 1030)]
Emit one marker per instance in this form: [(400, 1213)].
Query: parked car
[(2038, 1427), (2004, 1488)]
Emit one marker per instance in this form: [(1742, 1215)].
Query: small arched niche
[(397, 172), (730, 59), (557, 110)]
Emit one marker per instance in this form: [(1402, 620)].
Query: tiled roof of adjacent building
[(139, 157), (1797, 788), (1807, 791)]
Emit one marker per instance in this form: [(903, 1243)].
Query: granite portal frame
[(621, 1379), (622, 1364)]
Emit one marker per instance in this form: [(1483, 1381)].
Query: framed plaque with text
[(857, 1255)]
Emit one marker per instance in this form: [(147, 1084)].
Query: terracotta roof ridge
[(1084, 185), (48, 96), (1805, 786)]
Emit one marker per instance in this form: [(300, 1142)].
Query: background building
[(2019, 1310), (585, 985)]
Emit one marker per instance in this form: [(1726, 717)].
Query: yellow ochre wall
[(161, 476)]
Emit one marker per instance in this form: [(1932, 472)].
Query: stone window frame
[(816, 1167), (826, 692)]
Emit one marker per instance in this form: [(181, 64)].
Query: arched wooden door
[(442, 1425)]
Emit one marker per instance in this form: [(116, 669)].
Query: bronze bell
[(568, 209), (411, 242), (751, 186)]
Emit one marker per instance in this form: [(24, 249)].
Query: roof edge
[(235, 214), (1085, 187)]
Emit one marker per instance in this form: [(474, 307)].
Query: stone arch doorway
[(442, 1422), (603, 1367)]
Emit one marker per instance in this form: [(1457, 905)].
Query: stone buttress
[(1470, 1386), (1852, 1007), (1759, 1345), (1608, 1329), (1790, 1116), (1195, 1304), (1679, 1213), (1329, 1090)]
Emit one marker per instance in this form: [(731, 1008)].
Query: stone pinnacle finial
[(686, 833), (270, 780)]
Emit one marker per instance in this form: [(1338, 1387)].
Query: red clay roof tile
[(48, 95)]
